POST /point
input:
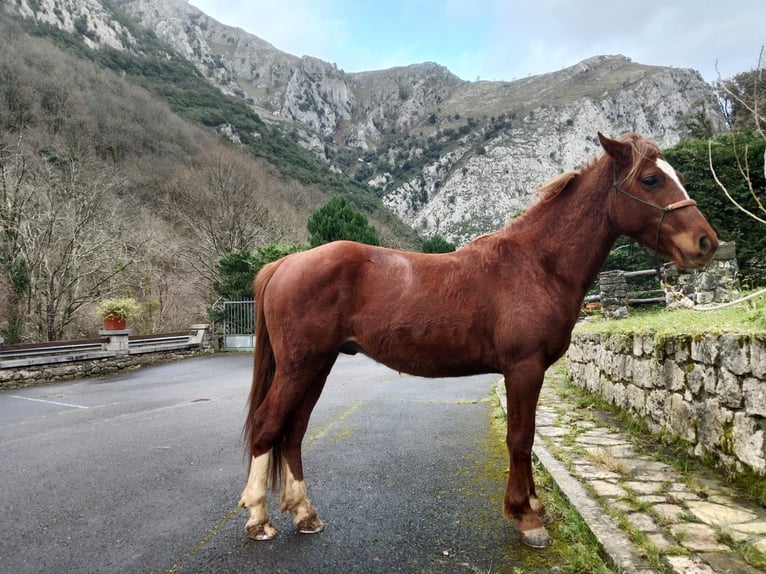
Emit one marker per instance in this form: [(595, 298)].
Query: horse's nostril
[(705, 245)]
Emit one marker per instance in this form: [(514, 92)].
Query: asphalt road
[(142, 472)]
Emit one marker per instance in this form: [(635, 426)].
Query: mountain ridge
[(448, 156)]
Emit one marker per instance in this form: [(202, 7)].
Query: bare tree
[(74, 244), (16, 195), (224, 206), (62, 240), (749, 101), (220, 202)]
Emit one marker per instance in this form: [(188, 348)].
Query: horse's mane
[(556, 185)]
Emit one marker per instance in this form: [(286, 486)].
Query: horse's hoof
[(261, 531), (536, 538), (310, 526)]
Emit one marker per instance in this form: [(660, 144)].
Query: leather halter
[(688, 202)]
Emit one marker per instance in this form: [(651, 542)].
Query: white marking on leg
[(668, 170), (296, 500), (254, 498)]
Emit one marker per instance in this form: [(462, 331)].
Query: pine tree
[(338, 220)]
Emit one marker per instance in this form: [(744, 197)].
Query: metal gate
[(238, 325)]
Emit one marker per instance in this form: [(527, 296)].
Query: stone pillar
[(717, 282), (201, 335), (614, 294), (118, 340)]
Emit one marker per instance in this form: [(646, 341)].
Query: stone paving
[(648, 516)]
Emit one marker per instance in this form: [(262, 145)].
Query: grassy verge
[(748, 317)]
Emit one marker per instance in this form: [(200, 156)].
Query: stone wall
[(11, 378), (709, 390)]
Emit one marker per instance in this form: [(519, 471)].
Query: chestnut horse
[(504, 303)]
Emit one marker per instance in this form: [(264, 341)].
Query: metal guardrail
[(142, 340), (118, 342), (57, 348)]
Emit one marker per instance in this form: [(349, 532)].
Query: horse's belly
[(432, 362)]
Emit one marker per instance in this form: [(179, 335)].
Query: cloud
[(502, 40)]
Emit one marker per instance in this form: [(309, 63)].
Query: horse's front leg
[(253, 498), (521, 502)]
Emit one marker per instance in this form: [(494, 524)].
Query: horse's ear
[(620, 152)]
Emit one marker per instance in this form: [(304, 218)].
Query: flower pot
[(114, 323)]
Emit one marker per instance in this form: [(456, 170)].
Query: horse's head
[(651, 205)]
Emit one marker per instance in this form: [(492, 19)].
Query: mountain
[(449, 157)]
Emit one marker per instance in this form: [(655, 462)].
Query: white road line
[(49, 402)]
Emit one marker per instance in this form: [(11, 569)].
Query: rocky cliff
[(449, 157)]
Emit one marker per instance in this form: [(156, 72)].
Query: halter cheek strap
[(688, 202)]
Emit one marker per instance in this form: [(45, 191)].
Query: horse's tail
[(263, 371)]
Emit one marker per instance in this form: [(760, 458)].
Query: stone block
[(656, 404), (735, 353), (574, 353), (643, 345), (729, 389), (636, 400), (727, 250), (641, 372), (707, 281), (704, 297), (625, 368), (680, 415), (676, 348), (705, 350), (754, 391), (698, 376), (749, 442), (673, 376), (710, 424), (758, 357), (620, 396)]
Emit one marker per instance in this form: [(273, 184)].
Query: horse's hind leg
[(294, 497), (253, 498), (271, 420)]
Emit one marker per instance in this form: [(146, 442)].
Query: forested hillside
[(107, 190)]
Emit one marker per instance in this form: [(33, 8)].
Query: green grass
[(748, 317)]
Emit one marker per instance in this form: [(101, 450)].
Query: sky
[(506, 39)]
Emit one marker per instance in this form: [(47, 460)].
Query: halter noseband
[(688, 202)]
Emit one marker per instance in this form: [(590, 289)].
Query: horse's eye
[(651, 182)]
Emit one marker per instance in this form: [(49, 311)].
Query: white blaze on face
[(668, 170)]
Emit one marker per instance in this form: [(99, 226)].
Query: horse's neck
[(570, 231)]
